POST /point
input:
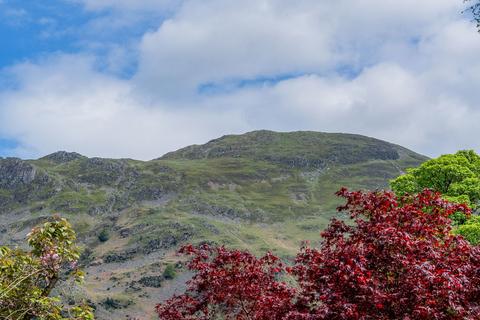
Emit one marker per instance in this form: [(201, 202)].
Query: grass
[(77, 201), (282, 238)]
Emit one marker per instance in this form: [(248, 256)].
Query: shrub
[(169, 272), (113, 303), (103, 236), (27, 278)]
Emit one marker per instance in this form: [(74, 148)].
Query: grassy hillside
[(261, 190)]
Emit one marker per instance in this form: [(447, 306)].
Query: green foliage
[(117, 302), (82, 312), (104, 235), (470, 230), (458, 218), (111, 303), (406, 183), (28, 278), (169, 272), (456, 176)]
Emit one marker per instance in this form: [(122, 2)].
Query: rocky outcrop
[(21, 182), (15, 173), (108, 172), (168, 236), (63, 157), (112, 257), (151, 281)]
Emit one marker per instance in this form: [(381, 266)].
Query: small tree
[(399, 260), (169, 272), (28, 278), (103, 236)]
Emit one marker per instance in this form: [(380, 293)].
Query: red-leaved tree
[(231, 284), (398, 260)]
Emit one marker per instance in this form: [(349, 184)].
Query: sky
[(139, 78)]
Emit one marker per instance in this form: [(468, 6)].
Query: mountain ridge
[(267, 136), (65, 156)]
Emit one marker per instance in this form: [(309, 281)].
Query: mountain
[(262, 190)]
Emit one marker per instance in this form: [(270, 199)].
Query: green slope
[(261, 190)]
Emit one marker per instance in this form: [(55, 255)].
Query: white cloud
[(385, 101), (66, 104), (411, 77), (213, 41), (217, 40)]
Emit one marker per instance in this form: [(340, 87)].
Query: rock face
[(21, 183), (152, 281), (63, 157), (15, 173), (103, 171)]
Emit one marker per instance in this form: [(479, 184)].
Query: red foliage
[(397, 261), (232, 284)]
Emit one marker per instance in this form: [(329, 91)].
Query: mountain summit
[(296, 149)]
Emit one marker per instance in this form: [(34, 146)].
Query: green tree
[(27, 278), (169, 272), (470, 230), (456, 176)]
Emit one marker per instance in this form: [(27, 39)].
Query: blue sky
[(138, 78), (31, 28), (7, 145)]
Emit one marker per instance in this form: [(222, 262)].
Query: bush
[(169, 272), (112, 304), (27, 278), (104, 236)]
